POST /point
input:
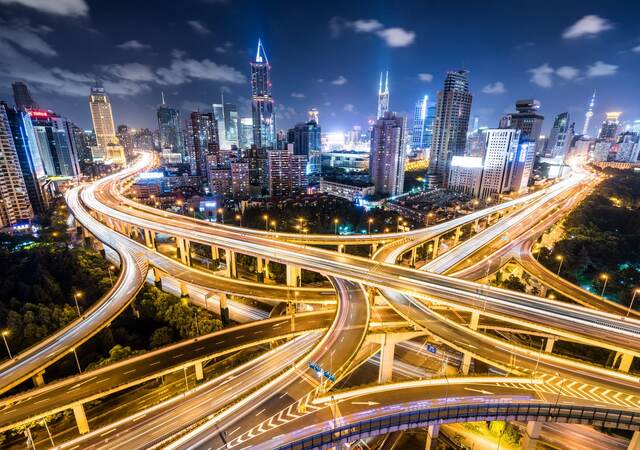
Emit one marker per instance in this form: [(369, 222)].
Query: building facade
[(103, 126), (526, 119), (170, 128), (202, 131), (560, 136), (262, 105), (55, 142), (305, 138), (22, 96), (287, 172), (422, 131), (497, 168), (387, 155), (383, 96)]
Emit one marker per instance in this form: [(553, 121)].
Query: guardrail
[(629, 420)]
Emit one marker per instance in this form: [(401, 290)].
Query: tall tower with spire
[(264, 126), (383, 95), (169, 126), (588, 115)]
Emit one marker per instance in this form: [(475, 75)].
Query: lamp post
[(192, 211), (5, 333), (369, 222), (221, 214), (429, 216), (110, 268), (77, 360), (266, 222), (561, 259), (239, 219), (335, 225), (75, 299), (605, 277), (633, 297), (274, 224)]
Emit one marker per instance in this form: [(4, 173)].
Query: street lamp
[(635, 292), (75, 299), (77, 360), (475, 204), (399, 223), (221, 214), (335, 225), (561, 259), (5, 333), (110, 268), (369, 222), (266, 222), (274, 224), (605, 277), (192, 211), (239, 219), (429, 216)]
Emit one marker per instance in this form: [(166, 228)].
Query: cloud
[(340, 81), (131, 71), (69, 8), (589, 25), (297, 95), (542, 75), (601, 69), (224, 48), (285, 112), (327, 103), (194, 105), (495, 88), (198, 27), (133, 44), (392, 36), (320, 80), (397, 37), (636, 49), (567, 72), (349, 107), (426, 77), (183, 70)]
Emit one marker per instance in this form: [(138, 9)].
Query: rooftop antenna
[(162, 94)]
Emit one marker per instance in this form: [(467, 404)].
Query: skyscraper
[(245, 136), (287, 172), (383, 96), (170, 129), (264, 126), (203, 133), (231, 124), (386, 159), (57, 147), (559, 136), (314, 115), (305, 138), (22, 96), (103, 125), (14, 199), (588, 115), (26, 146), (526, 119), (450, 125), (422, 133), (609, 128), (501, 148)]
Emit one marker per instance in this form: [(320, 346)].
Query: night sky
[(326, 54)]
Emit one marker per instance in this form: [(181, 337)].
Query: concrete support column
[(414, 256), (475, 319), (466, 363), (100, 248), (149, 238), (230, 259), (548, 346), (531, 435), (184, 251), (371, 295), (436, 247), (184, 293), (157, 278), (224, 308), (199, 371), (38, 379), (456, 236), (476, 226), (293, 275), (341, 248), (634, 443), (215, 257), (432, 437), (260, 269), (81, 418), (374, 248), (387, 350), (625, 362)]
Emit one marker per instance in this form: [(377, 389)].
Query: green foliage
[(117, 353)]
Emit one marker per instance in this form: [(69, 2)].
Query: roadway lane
[(58, 396)]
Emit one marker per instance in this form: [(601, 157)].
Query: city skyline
[(207, 46)]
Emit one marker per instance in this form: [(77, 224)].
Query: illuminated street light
[(77, 360), (75, 299), (239, 219), (193, 211), (429, 216), (635, 292), (110, 268), (5, 333), (274, 224), (605, 277), (335, 225), (369, 222), (221, 214), (266, 222), (561, 259)]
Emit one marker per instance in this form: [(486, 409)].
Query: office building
[(526, 119), (169, 126), (314, 115), (258, 170), (15, 206), (109, 147), (55, 141), (628, 147), (609, 128), (466, 174), (264, 125), (588, 115), (287, 172), (28, 153), (560, 136), (387, 155), (347, 160), (383, 96), (230, 113), (422, 132), (450, 126), (522, 164), (305, 138), (245, 138), (497, 168), (353, 192), (601, 150), (202, 131), (22, 96)]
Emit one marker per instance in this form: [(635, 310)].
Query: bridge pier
[(414, 256), (224, 308), (81, 418), (387, 351), (476, 226), (475, 319), (157, 279), (261, 269), (634, 443), (184, 252), (149, 238), (215, 257), (230, 259), (341, 248), (199, 371), (293, 275), (184, 293), (38, 379), (548, 346), (436, 247), (625, 361), (456, 236), (466, 363), (531, 435), (432, 437)]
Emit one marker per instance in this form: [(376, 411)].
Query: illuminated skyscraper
[(103, 126), (264, 127), (170, 129), (526, 119), (386, 159), (560, 136), (383, 96), (56, 144), (422, 133), (450, 126), (609, 128), (230, 114), (202, 130), (245, 137), (305, 138), (314, 115), (588, 115)]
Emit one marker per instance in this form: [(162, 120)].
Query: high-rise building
[(103, 126), (601, 150), (26, 146), (501, 148), (588, 115), (628, 147), (526, 119), (522, 164), (305, 138), (287, 172), (465, 174), (264, 124), (218, 114), (57, 146), (314, 115), (22, 96), (202, 130), (422, 133), (14, 198), (383, 95), (609, 128), (560, 136), (387, 155), (245, 137), (450, 125), (231, 124), (170, 129)]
